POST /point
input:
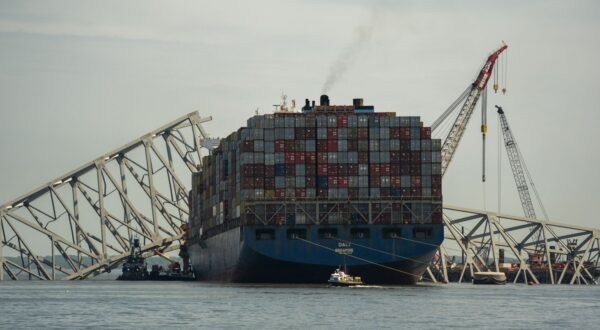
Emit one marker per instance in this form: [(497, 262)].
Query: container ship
[(294, 195)]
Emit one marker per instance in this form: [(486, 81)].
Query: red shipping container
[(310, 182), (290, 169), (404, 157), (322, 169), (363, 157), (342, 170), (310, 157), (310, 133), (395, 169), (415, 157), (332, 169), (247, 182), (436, 192), (279, 146), (300, 192), (321, 145), (415, 181), (322, 193), (405, 192), (300, 159), (363, 133), (425, 132), (280, 193), (342, 121), (385, 169), (290, 158), (342, 181), (247, 170), (269, 170), (394, 132), (332, 134), (415, 192), (395, 182), (353, 193), (384, 192), (332, 182), (394, 157), (352, 169), (404, 133), (332, 145), (374, 181), (374, 169), (322, 157), (311, 169), (259, 182), (290, 145)]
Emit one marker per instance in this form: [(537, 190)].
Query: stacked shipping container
[(330, 154)]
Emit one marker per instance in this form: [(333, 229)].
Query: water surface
[(177, 305)]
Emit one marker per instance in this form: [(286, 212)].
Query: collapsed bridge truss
[(82, 223)]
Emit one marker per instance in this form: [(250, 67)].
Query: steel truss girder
[(137, 190), (579, 258)]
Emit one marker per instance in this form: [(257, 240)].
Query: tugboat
[(134, 269), (173, 271), (340, 278)]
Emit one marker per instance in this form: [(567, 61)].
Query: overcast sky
[(80, 78)]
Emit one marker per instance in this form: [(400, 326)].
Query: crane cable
[(505, 75), (499, 170)]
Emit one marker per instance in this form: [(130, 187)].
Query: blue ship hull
[(306, 254)]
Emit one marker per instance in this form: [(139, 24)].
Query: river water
[(183, 305)]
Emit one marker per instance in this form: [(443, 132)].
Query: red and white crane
[(469, 100)]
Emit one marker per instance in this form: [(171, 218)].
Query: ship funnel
[(324, 100)]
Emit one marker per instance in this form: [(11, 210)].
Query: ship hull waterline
[(235, 256)]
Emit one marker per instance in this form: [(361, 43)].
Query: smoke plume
[(349, 54)]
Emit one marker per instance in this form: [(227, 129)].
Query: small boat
[(134, 268), (340, 278), (489, 278)]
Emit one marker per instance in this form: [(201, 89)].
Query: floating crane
[(521, 175), (470, 97)]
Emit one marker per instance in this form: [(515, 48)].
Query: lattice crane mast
[(517, 166), (470, 97)]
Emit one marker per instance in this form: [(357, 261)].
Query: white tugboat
[(340, 278)]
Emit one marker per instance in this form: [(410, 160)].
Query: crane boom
[(460, 123), (516, 164)]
